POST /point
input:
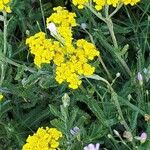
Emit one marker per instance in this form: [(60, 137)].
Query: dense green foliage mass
[(112, 107)]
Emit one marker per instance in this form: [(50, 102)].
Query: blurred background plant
[(31, 98)]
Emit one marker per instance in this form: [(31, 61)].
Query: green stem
[(111, 30), (42, 11), (110, 26), (108, 47), (115, 99), (99, 58), (3, 65), (99, 15), (116, 10), (105, 68), (109, 23), (117, 104), (124, 64)]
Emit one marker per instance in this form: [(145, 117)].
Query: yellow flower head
[(43, 139), (62, 17), (70, 57), (4, 6), (64, 21), (100, 3), (41, 48), (80, 3)]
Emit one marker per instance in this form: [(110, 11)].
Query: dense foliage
[(74, 75)]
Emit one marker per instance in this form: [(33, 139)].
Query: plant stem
[(108, 47), (116, 10), (116, 101), (110, 26), (42, 11), (99, 15), (111, 30), (3, 65), (124, 64), (99, 58), (105, 68)]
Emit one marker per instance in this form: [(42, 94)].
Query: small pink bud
[(140, 78), (143, 137)]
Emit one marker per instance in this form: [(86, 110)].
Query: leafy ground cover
[(74, 75)]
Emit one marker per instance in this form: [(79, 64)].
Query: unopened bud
[(66, 100), (109, 136), (143, 137), (140, 78), (129, 97), (116, 133), (147, 117), (83, 26), (128, 136), (145, 70), (52, 28), (118, 75), (27, 32)]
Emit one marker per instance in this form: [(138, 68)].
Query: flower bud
[(128, 136), (52, 28), (118, 75), (140, 78), (83, 26), (143, 137), (66, 100), (116, 133)]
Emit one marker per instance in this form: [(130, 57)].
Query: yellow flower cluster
[(100, 3), (76, 64), (43, 139), (41, 47), (70, 58), (80, 3), (64, 21), (4, 6)]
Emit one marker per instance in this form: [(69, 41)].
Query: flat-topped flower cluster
[(70, 57), (43, 139), (99, 4)]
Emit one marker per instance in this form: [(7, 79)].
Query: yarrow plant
[(70, 57), (43, 139), (83, 45)]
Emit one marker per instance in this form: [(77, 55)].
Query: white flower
[(92, 147), (52, 28)]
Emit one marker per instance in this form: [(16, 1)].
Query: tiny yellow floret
[(1, 97)]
